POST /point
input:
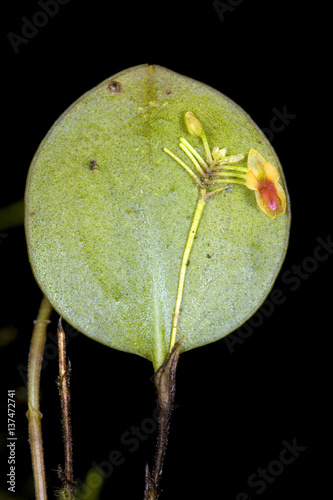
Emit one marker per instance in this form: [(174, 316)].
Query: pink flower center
[(268, 193)]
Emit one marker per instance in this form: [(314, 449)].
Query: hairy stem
[(69, 484), (165, 384), (33, 413)]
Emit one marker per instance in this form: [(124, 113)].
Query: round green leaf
[(108, 213)]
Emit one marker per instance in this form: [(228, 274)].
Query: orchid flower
[(263, 178)]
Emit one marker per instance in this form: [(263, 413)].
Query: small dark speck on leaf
[(93, 165), (32, 214), (114, 87), (209, 256), (188, 263)]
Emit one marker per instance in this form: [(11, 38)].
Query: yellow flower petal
[(256, 162), (282, 197), (251, 180), (263, 207), (270, 172)]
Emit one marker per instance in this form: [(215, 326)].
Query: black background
[(234, 409)]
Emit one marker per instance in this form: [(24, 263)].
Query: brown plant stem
[(165, 385), (33, 413), (69, 485)]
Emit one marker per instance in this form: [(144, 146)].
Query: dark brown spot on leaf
[(93, 165), (114, 87)]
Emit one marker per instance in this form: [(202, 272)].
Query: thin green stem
[(185, 261), (229, 167), (214, 191), (194, 153), (229, 181), (33, 413), (226, 174), (193, 159), (206, 146), (188, 170)]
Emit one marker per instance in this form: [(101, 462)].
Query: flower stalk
[(185, 261)]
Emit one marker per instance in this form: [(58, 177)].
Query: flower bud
[(235, 158), (193, 125)]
